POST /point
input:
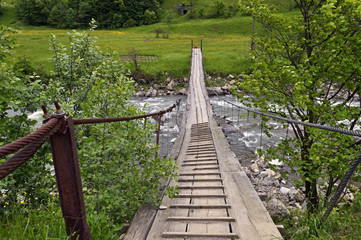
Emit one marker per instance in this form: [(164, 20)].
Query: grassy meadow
[(226, 43)]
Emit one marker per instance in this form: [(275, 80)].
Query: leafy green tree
[(307, 68), (58, 16), (133, 11), (150, 17), (35, 12), (19, 95), (118, 163), (85, 13)]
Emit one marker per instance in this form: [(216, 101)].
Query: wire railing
[(60, 130), (347, 176)]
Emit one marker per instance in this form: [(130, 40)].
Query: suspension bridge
[(216, 200)]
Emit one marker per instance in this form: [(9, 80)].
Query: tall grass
[(22, 222)]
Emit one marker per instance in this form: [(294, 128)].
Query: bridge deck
[(217, 201)]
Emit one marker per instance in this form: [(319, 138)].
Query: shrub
[(150, 17), (118, 163)]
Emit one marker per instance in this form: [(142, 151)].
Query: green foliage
[(35, 12), (19, 95), (61, 16), (150, 17), (110, 14), (23, 221), (343, 223), (307, 68), (118, 163)]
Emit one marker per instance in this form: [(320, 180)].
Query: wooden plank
[(198, 151), (200, 160), (203, 235), (199, 173), (205, 156), (202, 187), (202, 219), (207, 163), (206, 168), (207, 206), (201, 196), (144, 218), (200, 180)]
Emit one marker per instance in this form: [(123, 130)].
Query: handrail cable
[(347, 177), (289, 120)]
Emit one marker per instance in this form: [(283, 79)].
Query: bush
[(62, 17), (18, 95), (130, 23), (34, 12), (23, 67), (150, 17), (118, 163)]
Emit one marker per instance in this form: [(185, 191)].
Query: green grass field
[(226, 42)]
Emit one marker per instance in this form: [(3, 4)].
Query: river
[(243, 134)]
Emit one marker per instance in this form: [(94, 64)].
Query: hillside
[(226, 42)]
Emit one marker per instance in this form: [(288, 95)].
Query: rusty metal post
[(202, 46), (192, 43), (67, 170)]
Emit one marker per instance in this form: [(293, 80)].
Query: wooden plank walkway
[(217, 201)]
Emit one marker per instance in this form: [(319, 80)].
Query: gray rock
[(292, 203), (183, 91), (214, 90), (277, 209), (171, 85), (294, 194), (229, 129), (271, 173), (270, 182), (154, 93), (140, 94), (284, 190), (263, 174), (230, 77), (226, 88), (262, 196), (149, 92), (349, 197), (254, 168), (232, 82), (298, 205)]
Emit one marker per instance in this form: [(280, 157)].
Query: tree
[(57, 15), (118, 163), (150, 17), (19, 95), (35, 12), (308, 68)]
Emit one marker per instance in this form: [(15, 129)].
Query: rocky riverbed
[(243, 134), (178, 86)]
